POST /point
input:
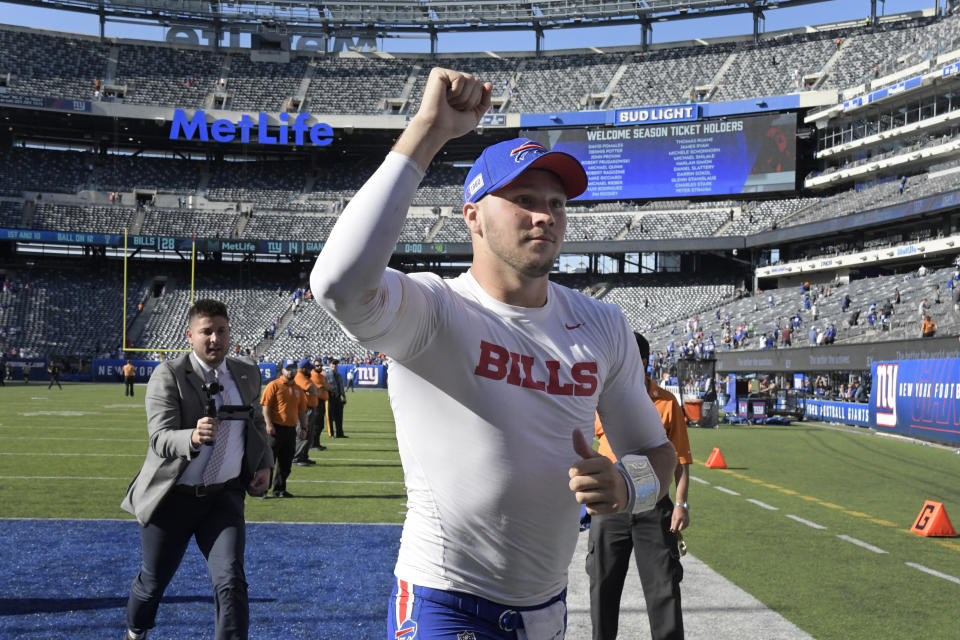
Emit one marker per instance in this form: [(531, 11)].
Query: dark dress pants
[(336, 416), (128, 385), (284, 444), (217, 524), (302, 450), (648, 536), (319, 416)]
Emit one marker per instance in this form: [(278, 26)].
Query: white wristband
[(642, 483)]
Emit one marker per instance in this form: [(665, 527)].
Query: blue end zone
[(70, 579)]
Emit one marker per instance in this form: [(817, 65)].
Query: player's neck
[(511, 287)]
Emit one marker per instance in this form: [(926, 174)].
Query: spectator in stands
[(812, 336), (922, 271), (896, 295), (845, 303), (785, 335), (924, 308), (956, 299), (854, 318), (831, 334), (861, 394), (928, 328)]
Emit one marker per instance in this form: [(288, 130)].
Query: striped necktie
[(215, 461)]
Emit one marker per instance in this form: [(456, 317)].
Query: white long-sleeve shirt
[(485, 397)]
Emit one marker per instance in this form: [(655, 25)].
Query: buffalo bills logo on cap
[(520, 153)]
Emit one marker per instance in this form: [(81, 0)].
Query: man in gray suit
[(186, 489)]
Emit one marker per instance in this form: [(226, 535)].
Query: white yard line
[(725, 490), (933, 572), (763, 505), (806, 522), (861, 543)]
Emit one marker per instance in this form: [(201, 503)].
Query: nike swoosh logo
[(571, 328)]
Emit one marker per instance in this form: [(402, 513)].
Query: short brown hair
[(207, 308)]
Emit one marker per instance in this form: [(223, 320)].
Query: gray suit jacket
[(175, 401)]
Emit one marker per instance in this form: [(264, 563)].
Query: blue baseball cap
[(501, 163), (306, 363), (289, 364)]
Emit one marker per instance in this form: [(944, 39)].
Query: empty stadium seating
[(758, 312)]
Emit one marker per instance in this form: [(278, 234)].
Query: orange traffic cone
[(933, 521), (716, 461)]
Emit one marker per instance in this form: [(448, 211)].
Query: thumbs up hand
[(595, 481)]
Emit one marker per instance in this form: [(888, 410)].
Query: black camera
[(211, 389)]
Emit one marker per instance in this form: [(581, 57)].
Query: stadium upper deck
[(817, 59)]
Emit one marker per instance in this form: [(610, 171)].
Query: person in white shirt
[(495, 378)]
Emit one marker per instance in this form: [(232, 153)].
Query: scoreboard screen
[(742, 154)]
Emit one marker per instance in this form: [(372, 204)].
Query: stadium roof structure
[(423, 16)]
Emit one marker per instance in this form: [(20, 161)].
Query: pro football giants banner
[(919, 398), (842, 412)]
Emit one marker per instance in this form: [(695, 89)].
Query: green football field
[(812, 521)]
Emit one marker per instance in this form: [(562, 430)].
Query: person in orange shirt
[(928, 328), (304, 380), (283, 404), (129, 371), (317, 377), (651, 536)]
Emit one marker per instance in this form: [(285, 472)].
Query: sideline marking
[(72, 455), (861, 543), (831, 505), (764, 505), (806, 522), (725, 490), (700, 480), (61, 414), (139, 440), (140, 455), (933, 572), (127, 479)]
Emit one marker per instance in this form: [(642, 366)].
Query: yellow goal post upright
[(193, 267)]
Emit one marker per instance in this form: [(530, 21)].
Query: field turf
[(812, 521)]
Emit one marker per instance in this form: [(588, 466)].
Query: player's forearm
[(349, 269), (420, 142), (682, 478)]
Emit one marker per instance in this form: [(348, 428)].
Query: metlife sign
[(189, 128)]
